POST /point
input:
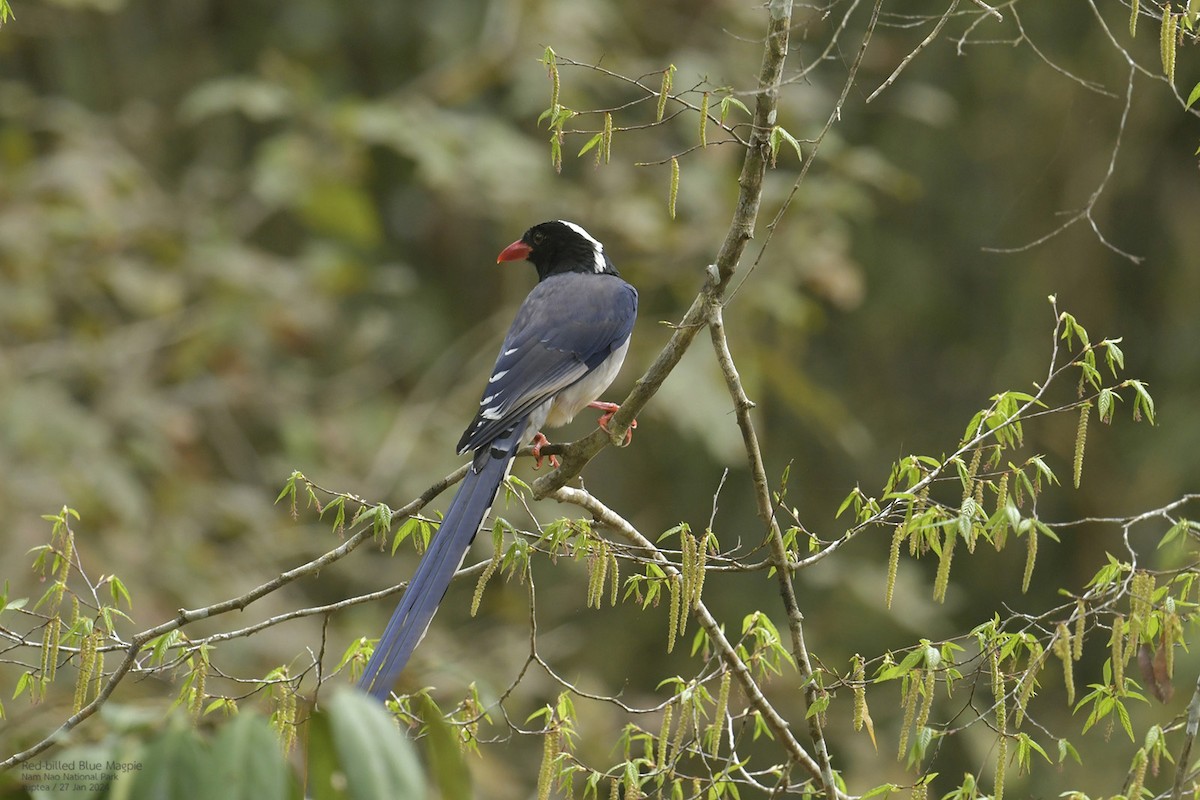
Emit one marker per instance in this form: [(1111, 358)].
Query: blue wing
[(567, 326)]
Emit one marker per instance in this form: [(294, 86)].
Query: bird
[(565, 346)]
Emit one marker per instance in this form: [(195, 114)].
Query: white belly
[(570, 401)]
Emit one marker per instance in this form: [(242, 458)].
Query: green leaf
[(1142, 401), (1123, 715), (289, 488), (175, 764), (1104, 404), (728, 102), (1065, 749), (1026, 746), (248, 760), (1194, 96), (117, 588), (1113, 355), (855, 496), (818, 706), (446, 764), (909, 663), (592, 142), (1177, 530), (779, 134), (14, 604), (355, 752)]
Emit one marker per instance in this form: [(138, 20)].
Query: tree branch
[(185, 617), (779, 726), (779, 554)]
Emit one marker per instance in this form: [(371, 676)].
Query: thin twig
[(916, 51)]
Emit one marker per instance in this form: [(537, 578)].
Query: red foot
[(609, 409), (539, 441)]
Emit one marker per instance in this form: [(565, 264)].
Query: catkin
[(673, 613), (606, 137), (1000, 534), (488, 571), (1139, 776), (50, 639), (552, 65), (87, 662), (930, 684), (550, 751), (1031, 543), (664, 93), (615, 574), (719, 714), (687, 561), (972, 471), (942, 581), (910, 711), (674, 186), (680, 732), (894, 562), (1080, 442), (1028, 681), (1062, 649), (1118, 652), (1172, 632), (859, 687), (1166, 42), (998, 692), (1080, 629), (664, 735)]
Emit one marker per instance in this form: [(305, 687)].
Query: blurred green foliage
[(353, 751), (242, 238)]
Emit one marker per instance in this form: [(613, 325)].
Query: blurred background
[(243, 238)]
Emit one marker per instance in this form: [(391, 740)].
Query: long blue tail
[(445, 555)]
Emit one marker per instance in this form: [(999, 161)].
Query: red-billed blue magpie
[(564, 348)]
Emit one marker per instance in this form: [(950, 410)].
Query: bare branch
[(1088, 210)]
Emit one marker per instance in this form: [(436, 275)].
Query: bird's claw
[(609, 409), (539, 441)]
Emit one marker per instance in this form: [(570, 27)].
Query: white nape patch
[(499, 374), (597, 248)]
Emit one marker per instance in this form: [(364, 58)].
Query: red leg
[(609, 409), (539, 441)]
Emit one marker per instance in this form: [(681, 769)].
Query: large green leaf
[(176, 765), (249, 761), (355, 752), (446, 763)]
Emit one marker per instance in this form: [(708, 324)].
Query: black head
[(559, 246)]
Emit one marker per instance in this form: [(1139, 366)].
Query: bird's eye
[(539, 237)]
